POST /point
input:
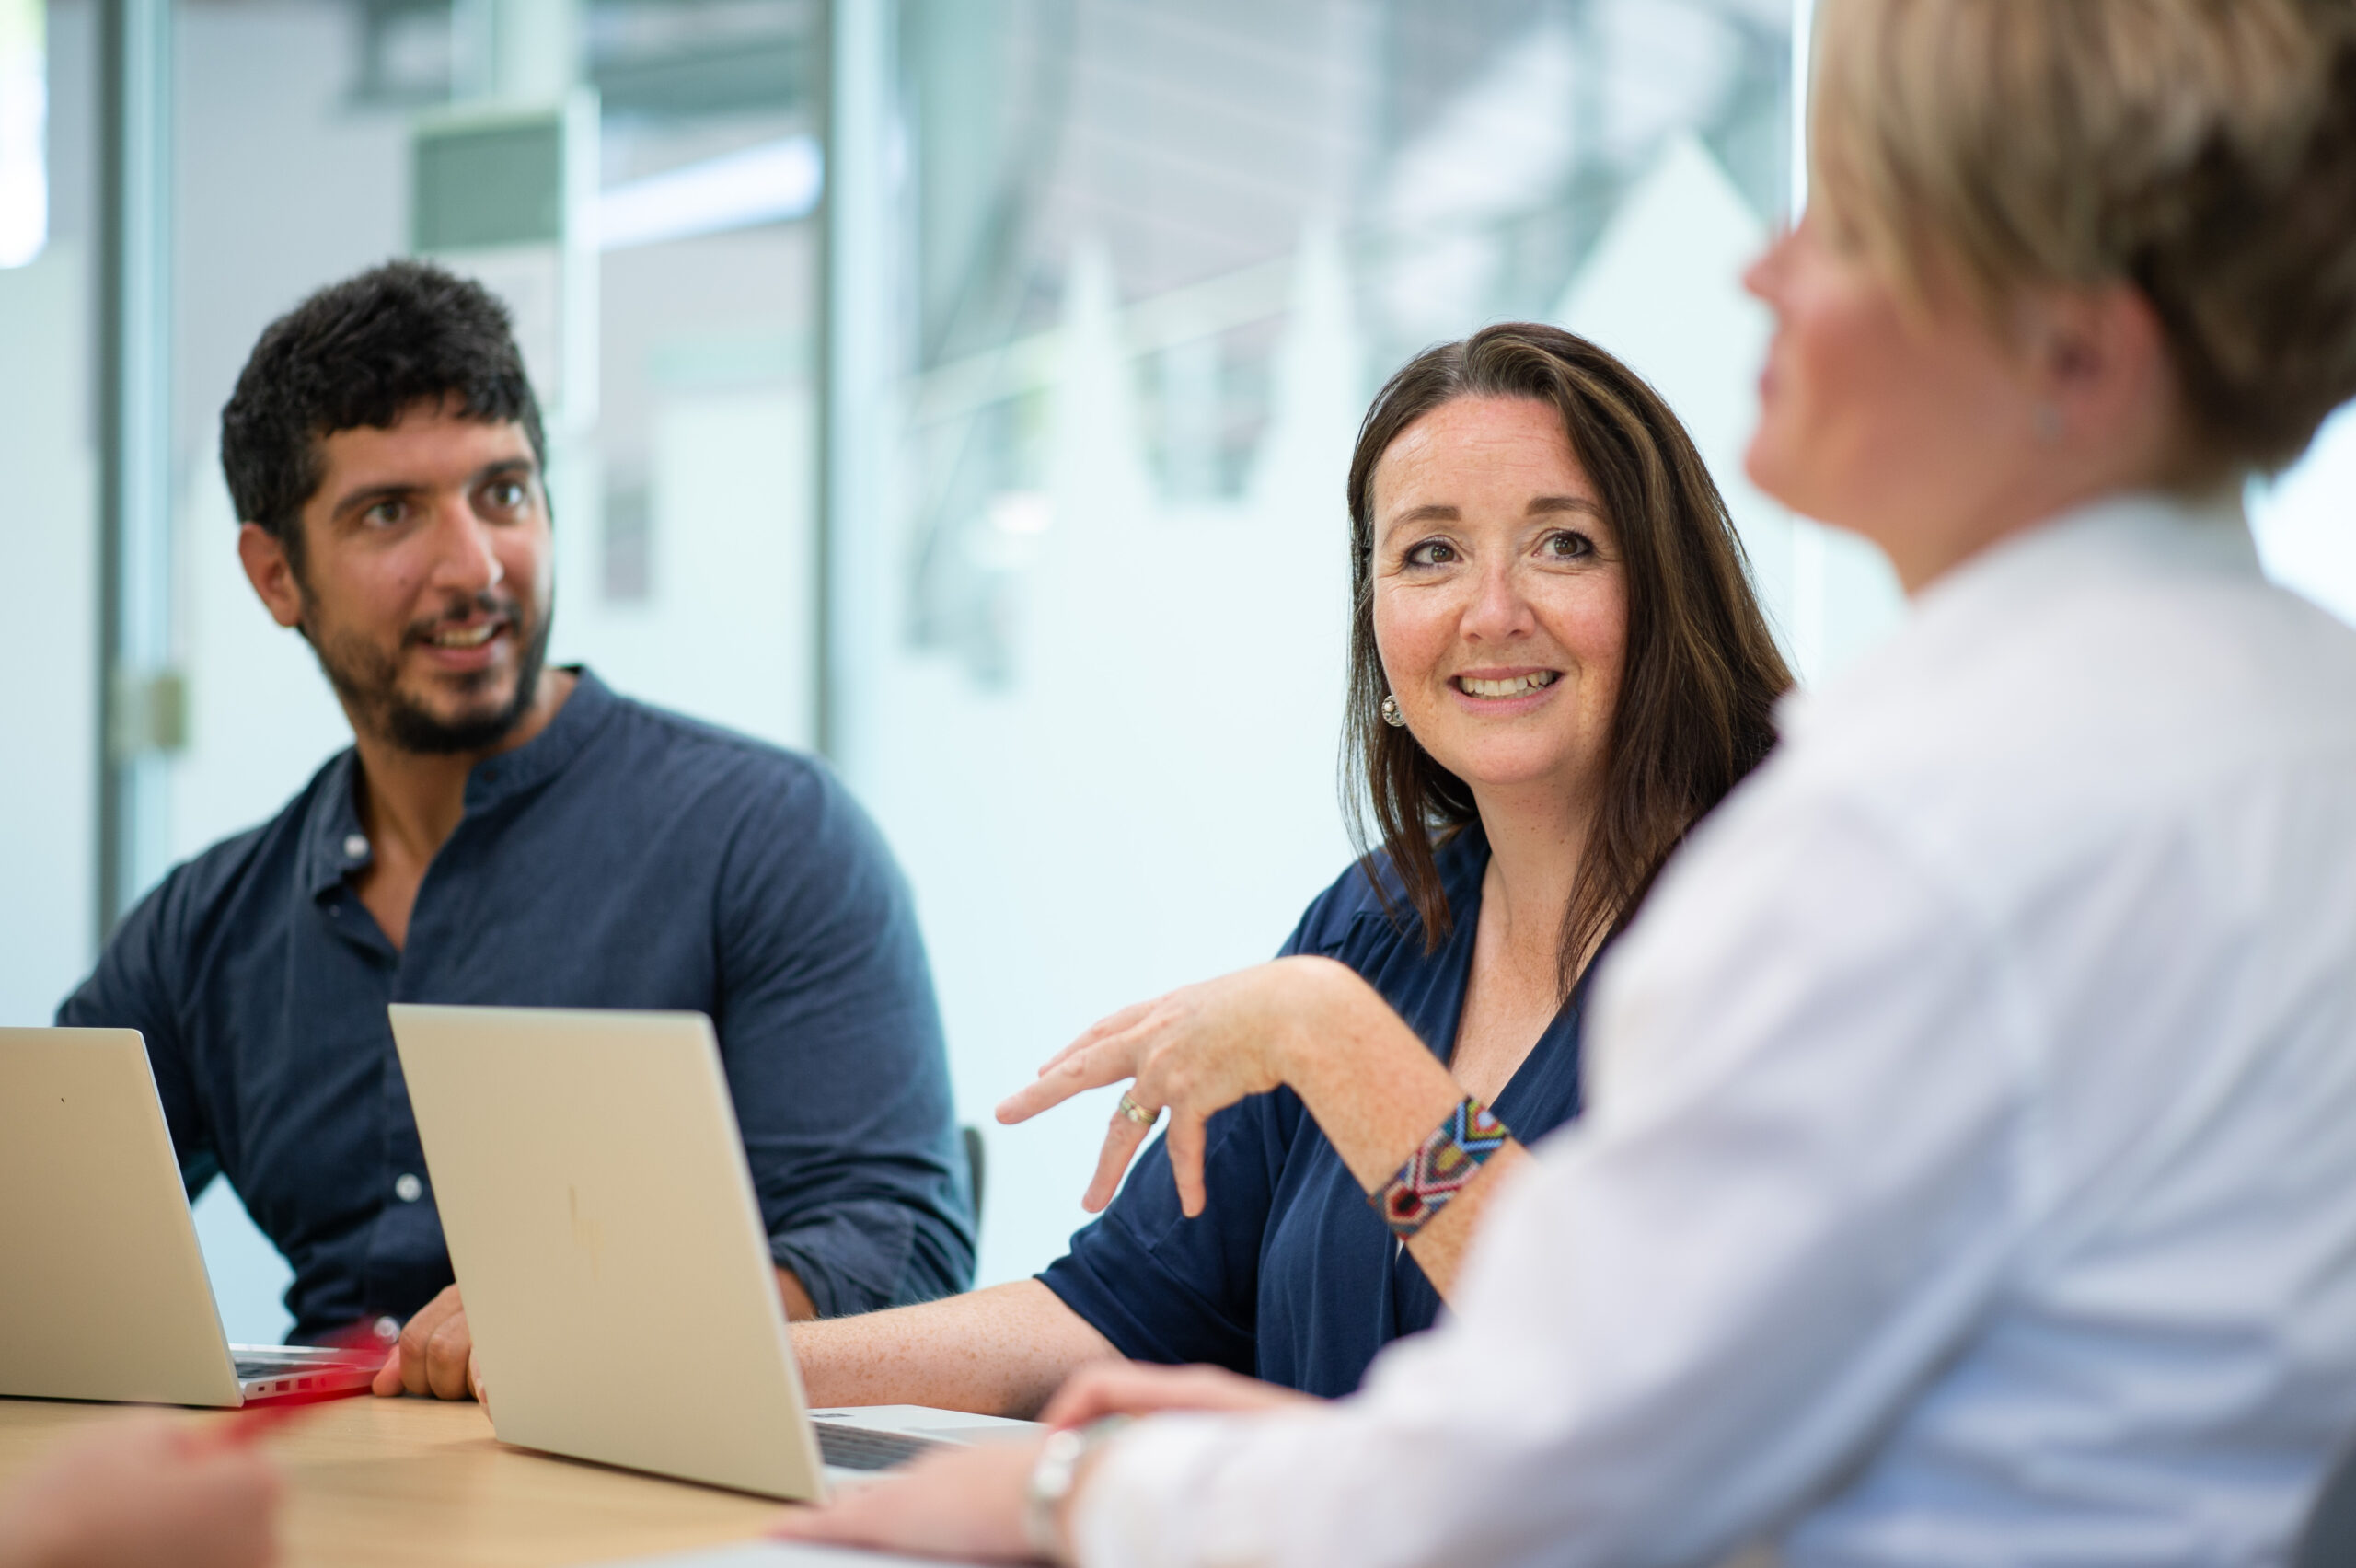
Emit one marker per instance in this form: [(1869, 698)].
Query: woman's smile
[(1504, 692)]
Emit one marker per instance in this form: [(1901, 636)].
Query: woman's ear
[(2099, 372), (272, 575)]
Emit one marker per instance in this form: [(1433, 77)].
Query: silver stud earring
[(1391, 714)]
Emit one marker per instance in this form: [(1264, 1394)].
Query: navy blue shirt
[(622, 857), (1288, 1273)]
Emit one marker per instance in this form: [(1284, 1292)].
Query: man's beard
[(369, 684)]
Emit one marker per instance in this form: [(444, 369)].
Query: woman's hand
[(1126, 1388), (1311, 1024), (962, 1502), (1193, 1052), (970, 1502)]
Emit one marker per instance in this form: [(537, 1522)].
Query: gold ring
[(1137, 1113)]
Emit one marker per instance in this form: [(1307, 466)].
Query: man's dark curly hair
[(364, 351)]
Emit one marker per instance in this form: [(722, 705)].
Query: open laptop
[(103, 1293), (600, 1215)]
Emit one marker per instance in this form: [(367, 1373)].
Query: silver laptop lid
[(103, 1293), (593, 1188)]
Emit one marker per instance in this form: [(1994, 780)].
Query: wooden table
[(375, 1483)]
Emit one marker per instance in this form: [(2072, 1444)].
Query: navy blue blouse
[(1288, 1273)]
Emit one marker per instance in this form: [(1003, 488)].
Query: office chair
[(977, 1157), (2330, 1540)]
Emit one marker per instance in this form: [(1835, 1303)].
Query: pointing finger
[(1107, 1062)]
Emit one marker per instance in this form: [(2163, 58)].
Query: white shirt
[(1969, 1175)]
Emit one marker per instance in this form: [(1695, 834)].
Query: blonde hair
[(2203, 151)]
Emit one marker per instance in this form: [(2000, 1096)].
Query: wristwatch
[(1052, 1476)]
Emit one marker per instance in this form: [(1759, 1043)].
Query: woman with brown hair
[(1966, 1174), (1556, 667)]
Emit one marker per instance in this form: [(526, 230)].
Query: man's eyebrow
[(369, 495)]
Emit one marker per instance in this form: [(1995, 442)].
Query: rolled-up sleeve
[(832, 1043)]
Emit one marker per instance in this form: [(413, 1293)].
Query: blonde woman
[(1968, 1173)]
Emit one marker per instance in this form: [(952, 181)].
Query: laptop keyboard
[(863, 1449), (292, 1370)]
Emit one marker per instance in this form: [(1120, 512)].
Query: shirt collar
[(2136, 535), (336, 845), (2140, 533)]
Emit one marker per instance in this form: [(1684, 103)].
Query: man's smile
[(466, 643), (473, 636)]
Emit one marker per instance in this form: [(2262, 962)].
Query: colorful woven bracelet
[(1438, 1170)]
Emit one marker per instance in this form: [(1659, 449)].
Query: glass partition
[(682, 471), (49, 508)]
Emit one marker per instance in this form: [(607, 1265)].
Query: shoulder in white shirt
[(1970, 1167)]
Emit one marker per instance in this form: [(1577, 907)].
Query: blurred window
[(1133, 273)]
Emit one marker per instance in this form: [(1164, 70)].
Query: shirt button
[(355, 847), (408, 1188), (387, 1329)]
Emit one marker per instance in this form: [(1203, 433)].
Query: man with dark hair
[(501, 833)]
